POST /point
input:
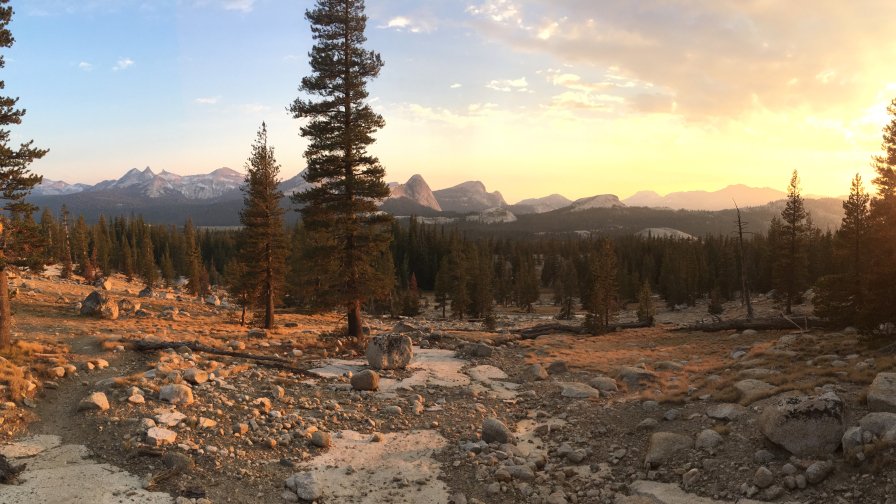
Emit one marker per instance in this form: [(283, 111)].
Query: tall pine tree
[(16, 181), (346, 234), (790, 267), (263, 253)]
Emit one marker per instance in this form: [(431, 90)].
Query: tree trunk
[(5, 313), (269, 289), (354, 320)]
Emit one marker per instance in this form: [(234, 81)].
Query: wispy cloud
[(239, 5), (85, 66), (409, 24), (508, 85), (209, 100), (456, 85), (254, 108), (123, 64)]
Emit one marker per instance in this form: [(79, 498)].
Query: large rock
[(389, 351), (176, 394), (535, 372), (575, 390), (752, 390), (635, 377), (882, 425), (494, 431), (663, 445), (882, 393), (306, 486), (96, 401), (605, 384), (725, 411), (99, 304), (805, 426)]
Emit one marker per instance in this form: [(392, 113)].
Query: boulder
[(725, 411), (576, 390), (176, 394), (127, 306), (882, 425), (389, 351), (96, 401), (366, 380), (103, 283), (494, 431), (213, 300), (708, 440), (882, 393), (305, 485), (605, 384), (145, 293), (663, 445), (805, 426), (752, 390), (479, 350), (535, 372), (100, 305), (635, 378)]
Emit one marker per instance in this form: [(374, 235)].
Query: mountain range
[(214, 199)]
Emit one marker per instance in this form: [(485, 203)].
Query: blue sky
[(577, 97)]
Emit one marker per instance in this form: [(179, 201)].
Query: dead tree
[(744, 285)]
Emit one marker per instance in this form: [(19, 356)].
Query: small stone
[(195, 376), (322, 439), (763, 457), (818, 471), (763, 477), (708, 440), (366, 380), (494, 431), (176, 394), (159, 436), (690, 477)]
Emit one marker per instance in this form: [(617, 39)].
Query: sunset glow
[(532, 98)]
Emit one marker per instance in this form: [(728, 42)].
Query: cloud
[(85, 66), (210, 100), (239, 5), (456, 85), (508, 85), (123, 64), (254, 108), (408, 24), (712, 59)]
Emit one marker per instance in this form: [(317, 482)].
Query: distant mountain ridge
[(721, 199), (215, 199)]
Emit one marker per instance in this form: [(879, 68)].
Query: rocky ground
[(291, 415)]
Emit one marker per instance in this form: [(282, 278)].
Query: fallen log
[(265, 360), (557, 328), (764, 324)]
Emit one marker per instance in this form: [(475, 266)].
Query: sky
[(532, 97)]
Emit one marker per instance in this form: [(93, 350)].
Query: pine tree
[(167, 267), (526, 283), (882, 250), (646, 311), (601, 303), (148, 271), (67, 266), (16, 181), (790, 267), (238, 286), (346, 234), (443, 286), (195, 270), (264, 243), (566, 286)]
